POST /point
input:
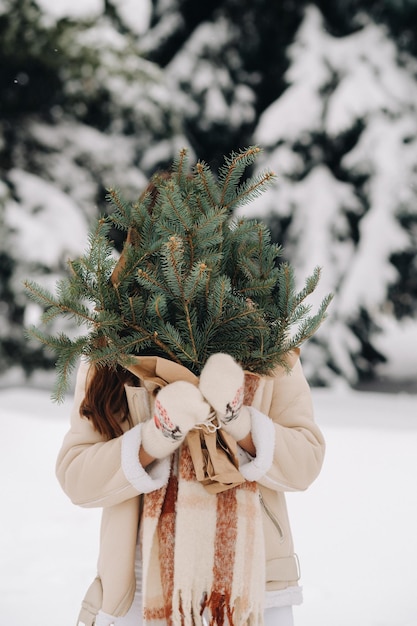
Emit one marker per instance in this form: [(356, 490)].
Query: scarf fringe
[(222, 611), (195, 610), (187, 609)]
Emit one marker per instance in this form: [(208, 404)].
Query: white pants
[(275, 616), (279, 616)]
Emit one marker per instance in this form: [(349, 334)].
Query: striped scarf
[(202, 552)]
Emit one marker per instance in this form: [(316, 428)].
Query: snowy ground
[(355, 528)]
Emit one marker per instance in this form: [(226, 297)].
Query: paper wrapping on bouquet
[(213, 452), (215, 461)]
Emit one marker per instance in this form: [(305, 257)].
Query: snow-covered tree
[(81, 110), (226, 58), (343, 140)]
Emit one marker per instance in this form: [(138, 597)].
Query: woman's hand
[(222, 384), (179, 407)]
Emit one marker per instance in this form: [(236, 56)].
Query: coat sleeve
[(96, 473), (299, 448)]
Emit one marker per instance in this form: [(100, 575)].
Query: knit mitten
[(179, 407), (222, 384)]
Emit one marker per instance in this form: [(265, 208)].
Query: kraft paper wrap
[(214, 454)]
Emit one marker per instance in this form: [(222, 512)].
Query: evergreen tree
[(190, 281), (79, 106), (227, 59)]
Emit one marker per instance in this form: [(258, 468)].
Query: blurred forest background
[(102, 93)]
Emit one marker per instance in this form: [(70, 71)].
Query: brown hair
[(105, 403)]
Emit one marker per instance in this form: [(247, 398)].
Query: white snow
[(318, 223), (384, 144), (354, 528), (201, 69), (44, 209), (75, 9), (134, 13), (398, 343), (363, 69)]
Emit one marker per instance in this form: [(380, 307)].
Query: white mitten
[(222, 384), (179, 407)]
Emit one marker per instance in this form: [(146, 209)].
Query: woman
[(170, 551)]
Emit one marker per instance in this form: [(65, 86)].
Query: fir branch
[(140, 213), (69, 352), (310, 285), (172, 262), (195, 283), (206, 238), (233, 169), (207, 183), (134, 260), (122, 213), (208, 227), (159, 307), (250, 190), (172, 343), (179, 212), (45, 299), (220, 288), (125, 345), (150, 282), (311, 325), (286, 288), (180, 167), (234, 314)]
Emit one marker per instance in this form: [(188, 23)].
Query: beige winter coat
[(98, 473)]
